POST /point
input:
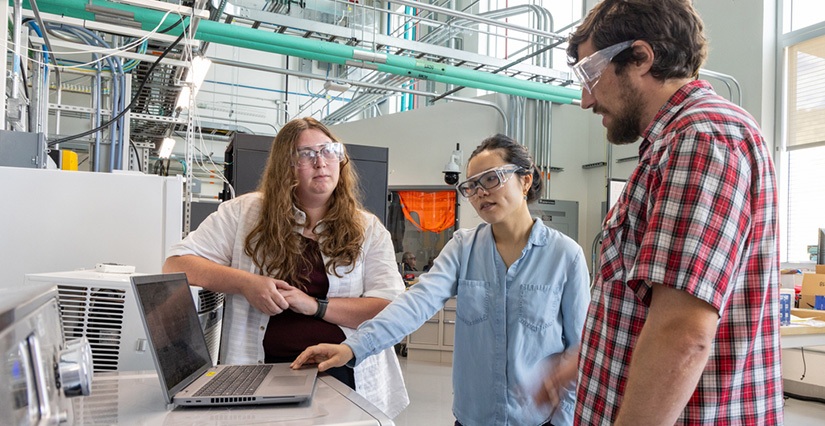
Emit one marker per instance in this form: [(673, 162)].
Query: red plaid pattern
[(698, 214)]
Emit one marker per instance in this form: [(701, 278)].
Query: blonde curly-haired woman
[(301, 262)]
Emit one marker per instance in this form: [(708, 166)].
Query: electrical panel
[(22, 149), (561, 215)]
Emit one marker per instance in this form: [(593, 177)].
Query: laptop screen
[(173, 329)]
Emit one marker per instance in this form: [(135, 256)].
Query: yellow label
[(211, 373)]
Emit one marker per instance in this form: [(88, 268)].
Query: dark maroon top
[(289, 333)]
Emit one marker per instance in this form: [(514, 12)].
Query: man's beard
[(627, 121)]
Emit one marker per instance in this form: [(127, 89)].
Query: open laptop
[(182, 358)]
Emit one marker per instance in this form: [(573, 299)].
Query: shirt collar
[(538, 234), (301, 220), (670, 110)]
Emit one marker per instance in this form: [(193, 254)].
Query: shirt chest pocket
[(538, 305), (351, 283), (473, 301)]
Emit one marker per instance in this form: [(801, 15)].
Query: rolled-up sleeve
[(215, 237)]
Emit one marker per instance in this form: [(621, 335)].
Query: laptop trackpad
[(288, 381)]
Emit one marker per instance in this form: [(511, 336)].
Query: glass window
[(803, 13), (424, 246), (802, 134), (806, 202), (806, 93)]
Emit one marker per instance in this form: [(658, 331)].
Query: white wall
[(742, 39), (54, 220), (420, 143)]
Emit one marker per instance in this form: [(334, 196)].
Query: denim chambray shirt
[(508, 321)]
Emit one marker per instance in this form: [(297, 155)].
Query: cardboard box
[(808, 313), (820, 269), (812, 285)]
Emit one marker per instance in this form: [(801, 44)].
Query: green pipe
[(234, 35), (383, 68), (411, 64)]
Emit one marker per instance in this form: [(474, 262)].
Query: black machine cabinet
[(246, 156)]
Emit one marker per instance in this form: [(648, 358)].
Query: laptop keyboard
[(235, 380)]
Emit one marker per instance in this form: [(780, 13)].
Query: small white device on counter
[(114, 268)]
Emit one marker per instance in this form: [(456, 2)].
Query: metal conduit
[(228, 62), (725, 78), (543, 16), (548, 153), (492, 14), (361, 97), (16, 39), (477, 18), (331, 52)]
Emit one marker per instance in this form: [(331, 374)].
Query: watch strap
[(322, 308)]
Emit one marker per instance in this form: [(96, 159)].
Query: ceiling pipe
[(479, 19), (234, 35), (526, 92), (229, 62)]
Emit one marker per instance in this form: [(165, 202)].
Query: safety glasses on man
[(331, 152), (589, 70), (489, 180)]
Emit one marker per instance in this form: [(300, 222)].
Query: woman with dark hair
[(522, 295), (300, 261)]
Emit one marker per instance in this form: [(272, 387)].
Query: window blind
[(806, 94), (806, 202)]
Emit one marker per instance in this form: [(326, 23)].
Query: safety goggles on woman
[(589, 70), (331, 152), (489, 180)]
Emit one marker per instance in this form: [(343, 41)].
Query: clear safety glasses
[(590, 69), (331, 152), (488, 180)]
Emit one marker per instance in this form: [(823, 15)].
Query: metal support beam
[(107, 28), (4, 44)]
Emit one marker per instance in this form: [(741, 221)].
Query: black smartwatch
[(322, 308)]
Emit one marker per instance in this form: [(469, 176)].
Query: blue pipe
[(118, 81), (117, 131), (36, 29)]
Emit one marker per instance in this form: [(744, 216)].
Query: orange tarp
[(436, 210)]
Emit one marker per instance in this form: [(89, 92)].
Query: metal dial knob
[(75, 368)]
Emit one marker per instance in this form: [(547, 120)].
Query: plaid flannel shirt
[(699, 215)]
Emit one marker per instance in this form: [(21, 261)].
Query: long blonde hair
[(273, 244)]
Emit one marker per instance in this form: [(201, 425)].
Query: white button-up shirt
[(221, 238)]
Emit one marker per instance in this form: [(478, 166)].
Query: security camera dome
[(451, 167)]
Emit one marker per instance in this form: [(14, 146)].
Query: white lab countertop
[(135, 398), (798, 335)]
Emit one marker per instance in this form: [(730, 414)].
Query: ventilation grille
[(236, 399), (211, 326), (96, 313), (99, 408), (209, 300)]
